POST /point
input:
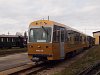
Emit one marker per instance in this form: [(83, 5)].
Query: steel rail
[(92, 70), (31, 70)]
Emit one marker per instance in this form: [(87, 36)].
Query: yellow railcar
[(49, 40)]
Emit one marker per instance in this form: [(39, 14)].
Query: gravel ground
[(88, 59), (61, 65), (13, 60)]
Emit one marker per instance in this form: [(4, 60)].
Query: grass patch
[(92, 56)]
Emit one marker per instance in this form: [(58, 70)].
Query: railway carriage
[(9, 41), (49, 40)]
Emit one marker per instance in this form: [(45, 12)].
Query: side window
[(12, 40), (62, 35), (2, 39), (7, 40), (77, 37), (80, 38), (69, 35), (84, 39), (66, 36), (56, 34)]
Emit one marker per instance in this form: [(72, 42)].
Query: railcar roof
[(48, 22), (45, 23), (9, 35)]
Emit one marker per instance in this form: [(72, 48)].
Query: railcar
[(9, 41), (91, 41), (49, 40)]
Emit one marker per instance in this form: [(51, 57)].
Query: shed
[(96, 35)]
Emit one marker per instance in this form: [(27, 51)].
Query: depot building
[(96, 35)]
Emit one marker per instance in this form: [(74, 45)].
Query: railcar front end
[(40, 43)]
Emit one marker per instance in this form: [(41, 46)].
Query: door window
[(62, 35)]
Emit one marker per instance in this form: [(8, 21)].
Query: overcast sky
[(16, 15)]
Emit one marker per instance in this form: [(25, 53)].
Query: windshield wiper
[(45, 30)]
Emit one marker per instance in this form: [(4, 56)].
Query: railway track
[(4, 52), (92, 70), (34, 69), (28, 69)]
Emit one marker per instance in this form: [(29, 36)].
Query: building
[(96, 35)]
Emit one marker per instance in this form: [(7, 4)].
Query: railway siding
[(12, 70), (90, 58), (92, 70), (4, 52), (73, 66)]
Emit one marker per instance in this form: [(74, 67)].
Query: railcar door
[(62, 38), (99, 40)]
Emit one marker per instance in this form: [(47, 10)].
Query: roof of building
[(96, 32)]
